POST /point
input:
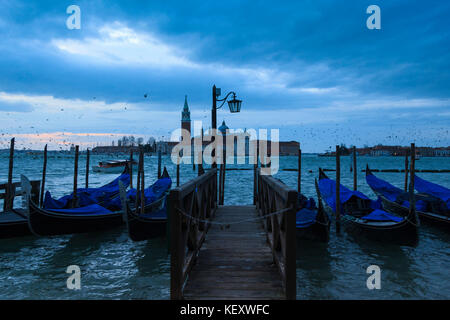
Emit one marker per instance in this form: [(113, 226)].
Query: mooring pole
[(412, 200), (338, 184), (131, 168), (143, 182), (178, 169), (299, 173), (214, 126), (159, 162), (75, 177), (138, 184), (9, 197), (44, 172), (406, 171), (87, 169), (355, 171), (223, 183)]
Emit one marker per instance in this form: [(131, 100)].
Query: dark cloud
[(301, 44)]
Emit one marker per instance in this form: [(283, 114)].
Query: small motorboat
[(113, 166)]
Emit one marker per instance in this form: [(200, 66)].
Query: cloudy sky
[(311, 69)]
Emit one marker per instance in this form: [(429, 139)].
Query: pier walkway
[(232, 252), (235, 262)]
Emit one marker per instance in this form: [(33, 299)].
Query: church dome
[(223, 128)]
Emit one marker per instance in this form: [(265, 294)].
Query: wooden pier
[(232, 252)]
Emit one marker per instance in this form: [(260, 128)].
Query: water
[(114, 267)]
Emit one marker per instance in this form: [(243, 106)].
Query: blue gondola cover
[(93, 209), (380, 215), (385, 188), (432, 189), (328, 190), (88, 196)]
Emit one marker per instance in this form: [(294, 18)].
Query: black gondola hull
[(319, 231), (427, 217), (45, 223), (141, 228), (13, 225), (314, 232), (404, 232)]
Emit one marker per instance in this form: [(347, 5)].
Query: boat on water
[(361, 215), (432, 201), (113, 166), (153, 222), (92, 209), (312, 221), (14, 223)]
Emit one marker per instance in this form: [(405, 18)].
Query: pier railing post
[(176, 247), (290, 241)]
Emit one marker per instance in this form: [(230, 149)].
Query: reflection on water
[(114, 267)]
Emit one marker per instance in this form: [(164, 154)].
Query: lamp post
[(234, 105)]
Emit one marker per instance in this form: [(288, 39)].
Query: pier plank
[(235, 261)]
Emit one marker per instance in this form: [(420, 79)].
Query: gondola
[(14, 223), (312, 221), (429, 208), (153, 222), (363, 216), (56, 217)]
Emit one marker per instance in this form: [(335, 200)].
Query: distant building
[(398, 151), (442, 152), (115, 149)]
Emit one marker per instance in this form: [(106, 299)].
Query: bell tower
[(186, 116)]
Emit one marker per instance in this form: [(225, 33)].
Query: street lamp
[(234, 105)]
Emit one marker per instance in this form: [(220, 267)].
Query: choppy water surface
[(114, 267)]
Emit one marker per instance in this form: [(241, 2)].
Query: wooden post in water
[(75, 177), (131, 168), (138, 183), (141, 155), (412, 198), (299, 173), (255, 176), (355, 171), (178, 169), (406, 171), (159, 162), (220, 183), (44, 171), (87, 169), (9, 192), (223, 183), (338, 184)]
